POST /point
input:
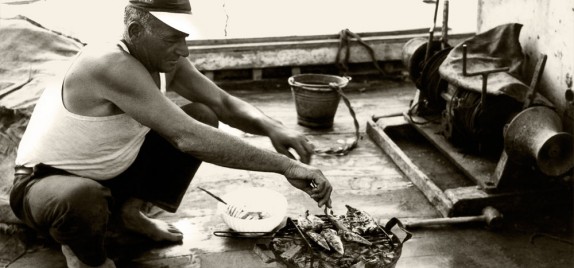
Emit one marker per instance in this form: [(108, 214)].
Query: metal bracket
[(484, 75)]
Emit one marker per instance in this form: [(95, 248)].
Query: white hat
[(174, 13)]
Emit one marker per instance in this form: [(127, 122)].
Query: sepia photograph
[(286, 134)]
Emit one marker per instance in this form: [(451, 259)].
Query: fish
[(304, 223), (333, 240), (346, 233), (320, 240), (316, 222), (353, 237), (362, 221), (311, 224)]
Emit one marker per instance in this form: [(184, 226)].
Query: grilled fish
[(333, 239), (316, 222), (346, 233), (362, 221), (320, 240), (304, 223), (353, 237)]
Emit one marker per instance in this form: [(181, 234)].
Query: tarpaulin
[(496, 48), (30, 56)]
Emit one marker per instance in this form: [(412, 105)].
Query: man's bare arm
[(131, 88), (193, 85)]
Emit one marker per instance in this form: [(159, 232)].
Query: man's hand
[(284, 139), (311, 181)]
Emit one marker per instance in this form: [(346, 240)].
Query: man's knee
[(89, 198), (201, 113), (69, 201)]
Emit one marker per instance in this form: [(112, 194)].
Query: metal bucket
[(316, 98)]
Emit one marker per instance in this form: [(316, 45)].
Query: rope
[(411, 112), (343, 150), (345, 36)]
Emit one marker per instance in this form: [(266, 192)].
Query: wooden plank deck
[(366, 178)]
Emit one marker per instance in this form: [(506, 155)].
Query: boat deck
[(366, 178)]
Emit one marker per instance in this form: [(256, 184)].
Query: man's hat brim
[(180, 21)]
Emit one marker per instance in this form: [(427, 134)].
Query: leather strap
[(22, 170)]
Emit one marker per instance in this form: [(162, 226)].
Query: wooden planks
[(298, 51), (477, 168), (459, 199), (367, 178), (433, 193)]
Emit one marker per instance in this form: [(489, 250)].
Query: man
[(106, 140)]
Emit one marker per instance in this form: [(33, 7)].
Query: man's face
[(162, 47)]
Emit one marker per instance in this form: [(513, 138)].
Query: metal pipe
[(484, 85), (464, 59), (487, 72), (431, 32), (444, 37), (538, 70)]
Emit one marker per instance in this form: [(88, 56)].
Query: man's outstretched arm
[(130, 87), (193, 85)]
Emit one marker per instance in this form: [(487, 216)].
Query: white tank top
[(94, 147)]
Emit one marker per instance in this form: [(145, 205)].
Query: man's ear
[(135, 30)]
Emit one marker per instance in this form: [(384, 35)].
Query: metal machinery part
[(420, 57), (432, 85), (413, 57), (475, 121), (477, 127), (535, 137)]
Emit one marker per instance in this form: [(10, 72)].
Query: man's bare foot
[(72, 260), (135, 220)]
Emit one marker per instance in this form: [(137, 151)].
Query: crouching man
[(105, 139)]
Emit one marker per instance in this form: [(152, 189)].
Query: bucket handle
[(348, 147)]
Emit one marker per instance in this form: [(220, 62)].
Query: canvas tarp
[(496, 48), (30, 56)]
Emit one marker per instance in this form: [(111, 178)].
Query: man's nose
[(182, 49)]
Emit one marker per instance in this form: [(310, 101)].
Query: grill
[(295, 249)]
